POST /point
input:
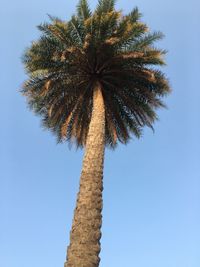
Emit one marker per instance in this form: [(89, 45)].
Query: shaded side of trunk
[(85, 235)]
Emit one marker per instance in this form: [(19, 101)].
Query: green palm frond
[(83, 10), (146, 41), (105, 6), (134, 15)]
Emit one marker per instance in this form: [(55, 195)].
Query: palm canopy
[(103, 46)]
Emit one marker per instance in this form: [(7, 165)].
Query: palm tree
[(94, 81)]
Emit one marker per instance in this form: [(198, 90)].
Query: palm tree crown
[(107, 47)]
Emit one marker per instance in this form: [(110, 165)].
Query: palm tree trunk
[(85, 235)]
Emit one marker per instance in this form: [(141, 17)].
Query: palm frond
[(105, 6), (146, 41), (134, 15), (83, 10)]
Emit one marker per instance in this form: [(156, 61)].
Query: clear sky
[(151, 214)]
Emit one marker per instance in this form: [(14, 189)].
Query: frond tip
[(105, 6), (83, 10), (106, 46)]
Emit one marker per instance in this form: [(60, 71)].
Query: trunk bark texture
[(85, 235)]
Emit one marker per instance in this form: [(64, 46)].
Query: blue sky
[(151, 186)]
